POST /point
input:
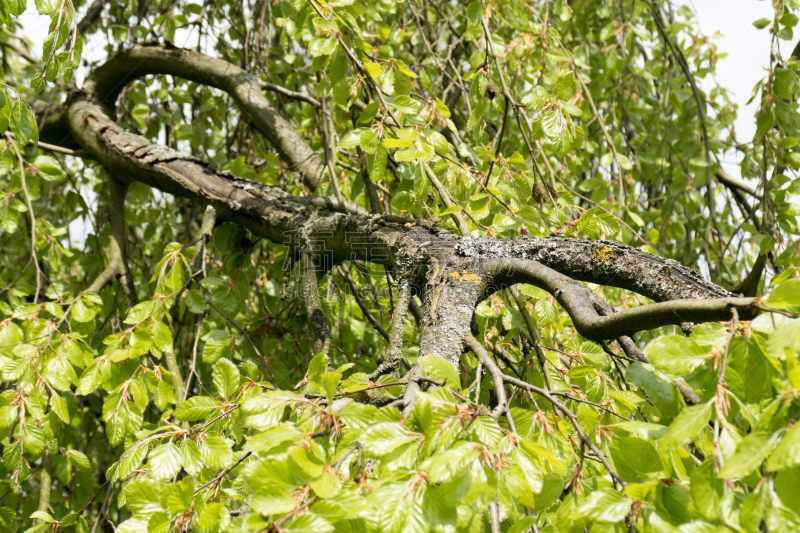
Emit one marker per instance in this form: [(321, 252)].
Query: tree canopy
[(395, 266)]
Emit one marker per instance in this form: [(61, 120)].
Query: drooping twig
[(318, 322), (372, 320), (515, 105), (573, 420), (206, 229), (31, 215), (535, 338), (502, 407), (394, 355)]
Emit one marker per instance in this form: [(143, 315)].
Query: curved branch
[(602, 262), (577, 300), (109, 79)]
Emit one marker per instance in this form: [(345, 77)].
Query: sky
[(747, 49), (728, 22)]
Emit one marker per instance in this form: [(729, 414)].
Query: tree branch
[(577, 300), (394, 355), (108, 81), (317, 321)]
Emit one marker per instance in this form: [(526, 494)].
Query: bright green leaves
[(195, 408), (217, 344), (750, 453), (226, 378), (787, 294), (606, 506), (21, 120), (554, 118), (686, 426), (676, 354), (164, 461), (47, 7), (707, 490), (439, 369), (660, 391), (384, 438), (787, 453), (63, 29)]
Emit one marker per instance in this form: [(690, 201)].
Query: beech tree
[(374, 265)]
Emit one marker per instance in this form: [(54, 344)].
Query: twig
[(497, 376), (32, 217), (572, 418), (224, 472)]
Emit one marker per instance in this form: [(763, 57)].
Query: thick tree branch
[(604, 263), (108, 81), (577, 300)]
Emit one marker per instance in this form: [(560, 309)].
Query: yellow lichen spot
[(602, 255), (455, 275), (474, 278)]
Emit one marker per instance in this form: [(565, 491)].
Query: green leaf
[(216, 451), (762, 23), (217, 344), (214, 518), (266, 441), (327, 486), (689, 422), (23, 123), (787, 453), (47, 167), (41, 515), (787, 294), (440, 370), (330, 382), (675, 354), (226, 378), (474, 13), (180, 497), (195, 408), (639, 454), (165, 462), (563, 83), (368, 141), (764, 123), (305, 523), (707, 490), (385, 437), (159, 522), (47, 7), (750, 452), (606, 505), (322, 46), (660, 391)]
